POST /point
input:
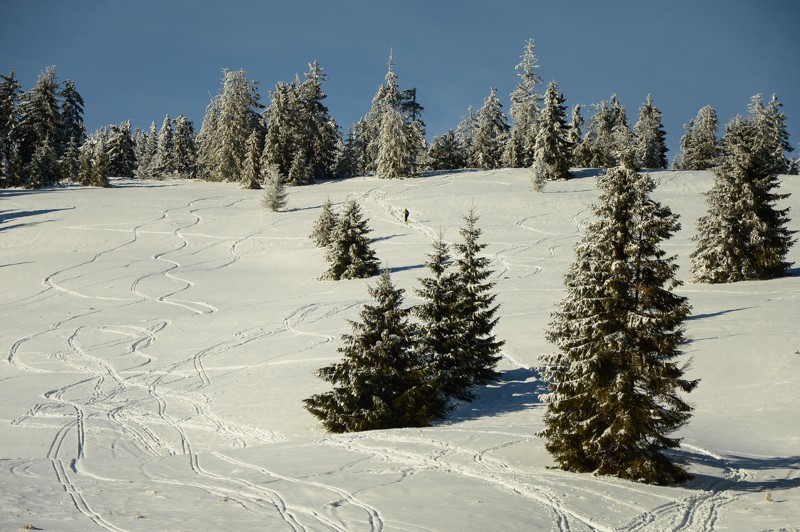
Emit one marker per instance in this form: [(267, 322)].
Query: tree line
[(43, 138)]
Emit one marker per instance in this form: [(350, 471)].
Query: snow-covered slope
[(159, 337)]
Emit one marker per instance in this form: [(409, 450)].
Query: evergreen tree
[(574, 135), (318, 132), (699, 146), (71, 125), (184, 149), (121, 151), (524, 111), (68, 166), (607, 134), (445, 153), (10, 91), (491, 133), (395, 152), (349, 254), (39, 120), (476, 312), (650, 148), (229, 120), (771, 133), (465, 135), (743, 235), (325, 226), (162, 164), (146, 160), (100, 166), (442, 342), (614, 384), (43, 169), (380, 382), (279, 142), (274, 197), (251, 171), (85, 160), (552, 152)]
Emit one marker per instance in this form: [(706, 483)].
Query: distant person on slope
[(405, 216)]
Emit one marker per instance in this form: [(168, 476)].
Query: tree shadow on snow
[(733, 472), (515, 391), (715, 314), (14, 215)]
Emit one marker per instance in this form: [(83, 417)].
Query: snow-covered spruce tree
[(161, 165), (465, 135), (607, 136), (574, 134), (476, 311), (185, 151), (251, 171), (395, 152), (524, 111), (39, 120), (279, 142), (85, 160), (614, 385), (10, 91), (68, 165), (121, 150), (381, 382), (552, 151), (324, 227), (71, 125), (491, 133), (772, 135), (317, 131), (743, 235), (274, 197), (100, 163), (229, 120), (699, 146), (349, 252), (445, 153), (43, 169), (442, 339), (300, 172), (650, 148), (147, 153)]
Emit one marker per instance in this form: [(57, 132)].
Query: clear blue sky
[(140, 60)]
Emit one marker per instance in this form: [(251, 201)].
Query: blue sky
[(140, 60)]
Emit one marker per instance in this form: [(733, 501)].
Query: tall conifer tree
[(614, 384), (650, 138)]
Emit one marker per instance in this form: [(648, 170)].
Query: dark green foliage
[(445, 153), (743, 235), (349, 252), (476, 312), (442, 340), (380, 383), (121, 151), (71, 126), (614, 383), (699, 145)]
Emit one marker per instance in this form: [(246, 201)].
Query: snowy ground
[(159, 337)]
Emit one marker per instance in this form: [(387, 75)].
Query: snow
[(159, 338)]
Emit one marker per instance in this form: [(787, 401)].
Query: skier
[(405, 216)]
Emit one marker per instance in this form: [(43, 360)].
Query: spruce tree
[(552, 152), (442, 340), (68, 165), (465, 136), (445, 153), (39, 122), (324, 227), (10, 91), (121, 151), (162, 163), (251, 173), (476, 311), (349, 254), (43, 169), (771, 134), (743, 234), (279, 142), (614, 384), (274, 197), (185, 150), (574, 135), (524, 111), (699, 146), (381, 382), (71, 125), (394, 147), (650, 148), (491, 133)]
